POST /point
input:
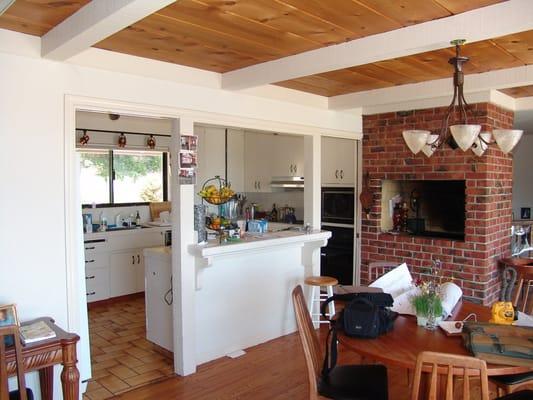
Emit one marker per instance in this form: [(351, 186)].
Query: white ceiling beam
[(439, 91), (94, 22), (500, 79), (476, 25)]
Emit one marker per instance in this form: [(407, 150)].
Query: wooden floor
[(272, 370), (122, 358)]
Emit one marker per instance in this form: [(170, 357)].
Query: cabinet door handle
[(89, 277), (259, 185), (133, 259), (89, 261), (337, 173), (91, 293), (138, 259), (295, 168), (90, 248), (342, 174)]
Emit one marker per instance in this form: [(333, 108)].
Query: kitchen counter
[(243, 289), (125, 232), (258, 241)]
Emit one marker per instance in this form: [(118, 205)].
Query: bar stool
[(316, 283)]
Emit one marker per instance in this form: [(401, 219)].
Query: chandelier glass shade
[(465, 135)]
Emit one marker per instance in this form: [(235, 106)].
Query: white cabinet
[(267, 156), (124, 272), (96, 284), (338, 161), (212, 155), (258, 152), (96, 269), (114, 264), (287, 156)]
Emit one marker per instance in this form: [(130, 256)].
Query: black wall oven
[(338, 205), (337, 258)]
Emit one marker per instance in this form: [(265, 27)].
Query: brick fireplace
[(471, 263)]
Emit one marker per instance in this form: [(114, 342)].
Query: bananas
[(216, 196)]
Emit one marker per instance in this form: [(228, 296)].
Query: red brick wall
[(471, 263)]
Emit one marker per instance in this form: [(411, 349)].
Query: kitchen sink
[(125, 228)]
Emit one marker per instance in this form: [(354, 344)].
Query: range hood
[(287, 182)]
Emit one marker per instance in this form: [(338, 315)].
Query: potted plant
[(427, 302), (428, 308)]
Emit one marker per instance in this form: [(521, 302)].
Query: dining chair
[(507, 384), (22, 393), (452, 366), (347, 382)]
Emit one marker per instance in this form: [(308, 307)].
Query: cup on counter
[(242, 226)]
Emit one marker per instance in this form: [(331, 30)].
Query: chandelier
[(465, 135)]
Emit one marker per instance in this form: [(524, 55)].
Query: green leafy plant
[(424, 303)]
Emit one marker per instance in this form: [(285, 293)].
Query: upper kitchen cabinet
[(258, 153), (287, 158), (338, 162), (212, 155)]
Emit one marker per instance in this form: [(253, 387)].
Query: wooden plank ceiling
[(224, 35), (37, 17), (517, 92)]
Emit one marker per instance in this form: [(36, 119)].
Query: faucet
[(118, 219)]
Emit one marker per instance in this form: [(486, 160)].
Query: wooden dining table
[(401, 346)]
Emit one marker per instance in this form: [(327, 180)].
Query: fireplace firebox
[(435, 208)]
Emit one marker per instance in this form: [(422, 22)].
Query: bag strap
[(331, 349)]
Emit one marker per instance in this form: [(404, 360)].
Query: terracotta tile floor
[(122, 358)]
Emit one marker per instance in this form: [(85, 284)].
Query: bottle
[(138, 219), (274, 213)]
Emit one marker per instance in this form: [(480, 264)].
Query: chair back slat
[(450, 365), (309, 339), (7, 331)]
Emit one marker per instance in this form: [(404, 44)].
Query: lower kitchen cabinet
[(114, 263), (97, 284), (125, 270)]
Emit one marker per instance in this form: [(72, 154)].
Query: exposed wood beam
[(500, 79), (484, 23), (94, 22)]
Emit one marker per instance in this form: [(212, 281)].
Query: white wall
[(523, 175), (32, 177)]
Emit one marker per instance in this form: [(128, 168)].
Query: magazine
[(37, 331)]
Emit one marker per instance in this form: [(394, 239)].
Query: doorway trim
[(74, 254)]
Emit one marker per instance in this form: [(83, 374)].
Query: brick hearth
[(471, 263)]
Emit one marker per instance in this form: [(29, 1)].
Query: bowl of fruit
[(216, 191)]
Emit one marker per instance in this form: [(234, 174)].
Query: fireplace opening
[(431, 208)]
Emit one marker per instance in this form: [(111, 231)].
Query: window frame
[(111, 189)]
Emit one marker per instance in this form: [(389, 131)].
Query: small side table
[(43, 355)]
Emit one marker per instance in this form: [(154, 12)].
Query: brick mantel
[(471, 263)]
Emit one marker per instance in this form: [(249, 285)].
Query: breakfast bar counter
[(243, 288)]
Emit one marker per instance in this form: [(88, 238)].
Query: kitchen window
[(111, 177)]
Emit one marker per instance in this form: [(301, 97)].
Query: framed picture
[(525, 213), (188, 142), (187, 159), (187, 176), (8, 315)]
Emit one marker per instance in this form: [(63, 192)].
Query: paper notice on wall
[(188, 159)]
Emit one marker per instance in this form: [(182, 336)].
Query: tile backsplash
[(293, 199), (111, 213)]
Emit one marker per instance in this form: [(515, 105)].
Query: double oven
[(337, 258)]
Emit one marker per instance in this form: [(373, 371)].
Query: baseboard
[(107, 302)]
